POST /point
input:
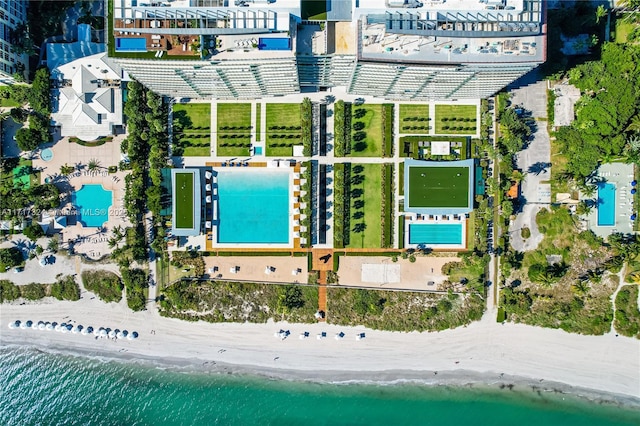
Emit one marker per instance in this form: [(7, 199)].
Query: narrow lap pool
[(253, 206), (131, 45), (92, 203), (606, 204), (435, 233)]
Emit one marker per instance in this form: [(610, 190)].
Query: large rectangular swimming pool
[(606, 204), (253, 206), (435, 233)]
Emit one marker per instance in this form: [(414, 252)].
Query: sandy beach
[(484, 352)]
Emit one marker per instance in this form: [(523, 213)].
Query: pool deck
[(620, 175), (90, 241)]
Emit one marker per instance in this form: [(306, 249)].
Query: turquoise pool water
[(606, 204), (435, 233), (281, 43), (131, 45), (253, 206), (92, 203)]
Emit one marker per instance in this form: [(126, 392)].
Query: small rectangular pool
[(606, 204), (253, 206), (281, 43), (131, 45), (435, 233)]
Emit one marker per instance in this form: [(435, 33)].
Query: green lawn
[(284, 126), (368, 141), (456, 119), (438, 187), (22, 177), (365, 231), (414, 118), (234, 129), (401, 180), (184, 200), (192, 129)]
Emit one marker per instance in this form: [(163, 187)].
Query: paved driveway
[(535, 161)]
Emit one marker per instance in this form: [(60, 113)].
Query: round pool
[(46, 154)]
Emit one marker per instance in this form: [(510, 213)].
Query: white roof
[(90, 102), (440, 148)]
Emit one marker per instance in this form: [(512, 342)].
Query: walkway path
[(535, 161)]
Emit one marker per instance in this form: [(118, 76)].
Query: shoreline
[(529, 388), (604, 369)]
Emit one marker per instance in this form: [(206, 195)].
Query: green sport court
[(184, 200), (438, 187)]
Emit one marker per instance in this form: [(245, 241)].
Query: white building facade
[(12, 14)]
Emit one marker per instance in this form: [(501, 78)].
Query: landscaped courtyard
[(234, 129), (284, 129), (414, 118), (456, 119), (192, 129)]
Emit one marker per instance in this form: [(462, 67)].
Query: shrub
[(33, 291), (10, 257), (66, 288), (106, 285), (8, 291)]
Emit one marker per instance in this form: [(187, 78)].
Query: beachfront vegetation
[(192, 129), (234, 129), (10, 257), (65, 288), (285, 128), (515, 130), (33, 291), (627, 316), (402, 311), (8, 291), (106, 285), (39, 97), (223, 301), (567, 281), (414, 118), (191, 260), (135, 282), (456, 119)]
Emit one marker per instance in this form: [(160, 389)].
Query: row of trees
[(340, 129), (306, 117), (29, 138)]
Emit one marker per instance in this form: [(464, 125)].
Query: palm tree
[(118, 232), (634, 124), (601, 12), (66, 170), (633, 278), (94, 164), (584, 208), (580, 287)]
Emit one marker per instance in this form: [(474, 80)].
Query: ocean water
[(38, 388)]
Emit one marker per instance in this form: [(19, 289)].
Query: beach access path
[(607, 363)]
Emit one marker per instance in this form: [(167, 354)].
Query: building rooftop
[(87, 99)]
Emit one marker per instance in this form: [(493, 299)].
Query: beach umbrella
[(119, 334), (112, 334), (84, 332), (90, 330), (340, 336), (322, 335), (133, 335), (74, 330), (97, 332), (125, 333), (633, 191), (103, 332), (58, 327), (360, 336), (69, 327), (34, 325), (14, 324), (23, 325), (634, 183), (49, 326), (633, 217), (41, 325), (29, 323)]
